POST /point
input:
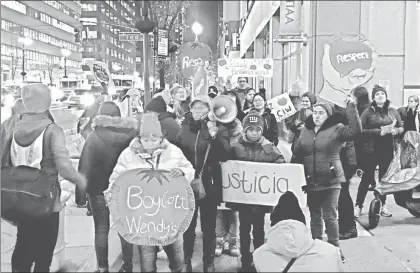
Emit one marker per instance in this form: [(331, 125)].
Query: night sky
[(205, 13)]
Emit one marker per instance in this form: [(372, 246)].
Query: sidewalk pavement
[(363, 254)]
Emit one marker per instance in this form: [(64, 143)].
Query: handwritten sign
[(282, 106), (348, 62), (245, 68), (151, 208), (102, 75), (261, 183), (191, 56)]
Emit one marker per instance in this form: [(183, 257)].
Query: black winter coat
[(111, 135), (193, 140)]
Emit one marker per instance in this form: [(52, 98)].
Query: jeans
[(127, 255), (227, 222), (208, 212), (248, 218), (100, 213), (148, 256), (323, 206), (346, 221), (383, 160), (35, 243)]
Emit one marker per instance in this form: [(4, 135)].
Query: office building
[(102, 21), (392, 28), (40, 29)]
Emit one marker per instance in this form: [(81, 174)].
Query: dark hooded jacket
[(270, 131), (56, 158), (193, 140), (373, 118), (348, 152), (320, 152), (170, 127), (110, 136), (260, 151)]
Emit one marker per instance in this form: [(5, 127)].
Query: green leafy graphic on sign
[(151, 174)]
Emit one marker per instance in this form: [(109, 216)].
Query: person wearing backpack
[(40, 143), (7, 126)]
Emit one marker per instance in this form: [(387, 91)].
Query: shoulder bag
[(197, 183), (28, 191), (289, 265)]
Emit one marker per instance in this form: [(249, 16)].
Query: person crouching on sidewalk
[(290, 247), (151, 150), (253, 147)]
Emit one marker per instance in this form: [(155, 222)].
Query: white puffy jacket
[(292, 239)]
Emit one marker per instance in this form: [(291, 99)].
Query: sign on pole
[(261, 183), (163, 43), (282, 106), (132, 36), (290, 17)]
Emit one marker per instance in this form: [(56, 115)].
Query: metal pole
[(146, 74), (283, 67), (23, 62), (65, 67), (154, 69)]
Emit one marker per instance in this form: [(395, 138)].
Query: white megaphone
[(223, 109)]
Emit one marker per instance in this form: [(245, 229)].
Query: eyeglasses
[(241, 81), (258, 100)]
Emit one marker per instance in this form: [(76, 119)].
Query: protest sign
[(245, 68), (348, 62), (282, 107), (151, 208), (191, 56), (261, 183)]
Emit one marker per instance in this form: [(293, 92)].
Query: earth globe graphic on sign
[(148, 207), (348, 62)]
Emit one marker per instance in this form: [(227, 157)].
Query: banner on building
[(261, 183), (290, 18), (163, 43), (281, 106), (245, 68), (348, 62), (151, 208)]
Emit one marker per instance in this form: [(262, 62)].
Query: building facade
[(392, 28), (49, 27), (102, 21)]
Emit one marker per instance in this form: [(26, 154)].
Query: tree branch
[(175, 16)]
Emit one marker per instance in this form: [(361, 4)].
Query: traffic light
[(77, 35), (178, 37)]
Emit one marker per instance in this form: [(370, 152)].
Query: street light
[(197, 29), (25, 41), (65, 53)]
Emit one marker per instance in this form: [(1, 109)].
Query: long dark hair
[(362, 96)]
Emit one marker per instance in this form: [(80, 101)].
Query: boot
[(188, 253)]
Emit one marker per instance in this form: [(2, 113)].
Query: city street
[(66, 118)]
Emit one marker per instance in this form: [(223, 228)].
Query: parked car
[(81, 98)]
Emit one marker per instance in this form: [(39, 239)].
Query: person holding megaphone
[(205, 145)]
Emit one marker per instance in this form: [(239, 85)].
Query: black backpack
[(27, 191)]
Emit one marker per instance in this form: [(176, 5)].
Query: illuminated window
[(15, 5)]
